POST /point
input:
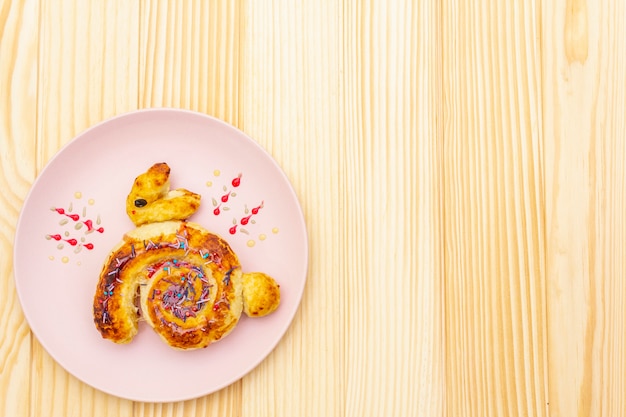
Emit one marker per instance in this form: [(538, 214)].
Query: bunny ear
[(152, 184), (150, 199)]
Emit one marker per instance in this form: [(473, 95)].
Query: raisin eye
[(140, 202)]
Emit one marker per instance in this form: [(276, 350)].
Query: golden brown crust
[(184, 281), (189, 281), (261, 294), (114, 317), (150, 199)]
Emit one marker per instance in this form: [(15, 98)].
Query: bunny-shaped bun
[(184, 281)]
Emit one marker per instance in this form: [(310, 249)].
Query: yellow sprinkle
[(51, 257), (250, 243), (209, 183), (91, 201), (78, 194), (275, 230), (65, 259), (78, 263), (217, 172), (262, 237)]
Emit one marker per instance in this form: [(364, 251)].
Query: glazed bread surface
[(182, 280), (151, 200), (188, 282)]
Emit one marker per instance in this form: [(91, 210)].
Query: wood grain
[(18, 104), (494, 200), (189, 56), (584, 98), (392, 235), (460, 166)]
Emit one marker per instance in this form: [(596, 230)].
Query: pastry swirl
[(188, 280)]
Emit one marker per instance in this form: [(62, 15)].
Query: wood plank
[(190, 56), (290, 105), (18, 105), (226, 402), (584, 99), (87, 66), (494, 227), (390, 153)]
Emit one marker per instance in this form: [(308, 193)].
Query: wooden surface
[(460, 166)]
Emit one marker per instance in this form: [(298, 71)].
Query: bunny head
[(151, 200)]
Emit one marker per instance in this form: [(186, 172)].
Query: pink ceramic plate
[(75, 214)]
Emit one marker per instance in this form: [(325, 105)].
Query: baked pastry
[(261, 294), (188, 280), (184, 281), (151, 200)]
